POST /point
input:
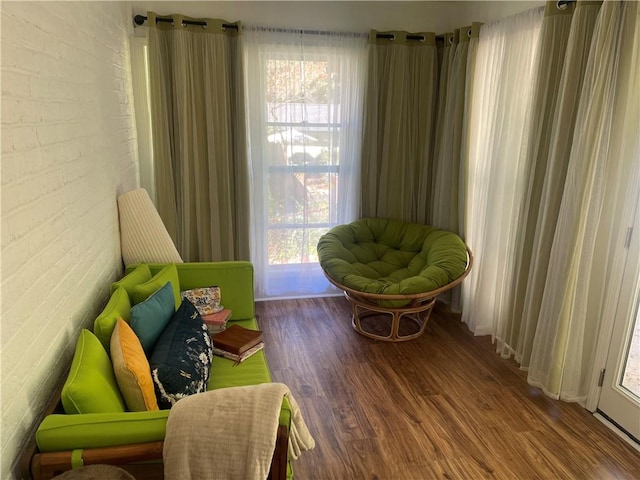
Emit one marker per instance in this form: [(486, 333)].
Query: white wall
[(68, 150), (436, 16)]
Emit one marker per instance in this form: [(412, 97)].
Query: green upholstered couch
[(133, 440)]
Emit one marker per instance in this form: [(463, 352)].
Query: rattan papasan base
[(391, 267)]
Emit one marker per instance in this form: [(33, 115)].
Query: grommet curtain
[(399, 125), (198, 131), (551, 189), (553, 111), (454, 107)]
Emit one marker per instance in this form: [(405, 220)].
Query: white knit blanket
[(230, 433)]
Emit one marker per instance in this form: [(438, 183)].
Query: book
[(236, 339), (217, 322), (238, 358)]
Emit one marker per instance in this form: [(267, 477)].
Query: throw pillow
[(132, 370), (138, 275), (181, 360), (117, 307), (205, 299), (167, 274), (91, 386), (150, 317)]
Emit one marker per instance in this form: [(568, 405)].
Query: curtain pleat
[(463, 206), (400, 108), (445, 63), (448, 159), (199, 142)]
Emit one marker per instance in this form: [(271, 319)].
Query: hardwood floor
[(442, 406)]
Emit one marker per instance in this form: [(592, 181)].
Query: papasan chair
[(391, 267)]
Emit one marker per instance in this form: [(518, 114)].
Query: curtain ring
[(224, 29), (204, 27), (562, 4), (469, 33), (183, 23), (450, 39), (392, 37), (172, 23)]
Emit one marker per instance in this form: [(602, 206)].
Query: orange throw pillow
[(131, 369)]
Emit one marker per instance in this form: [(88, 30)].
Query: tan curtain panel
[(474, 38), (566, 39), (601, 181), (400, 108), (449, 161), (198, 129), (446, 55)]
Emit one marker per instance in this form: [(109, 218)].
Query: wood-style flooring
[(442, 406)]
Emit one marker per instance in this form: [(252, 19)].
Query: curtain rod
[(391, 36), (140, 19)]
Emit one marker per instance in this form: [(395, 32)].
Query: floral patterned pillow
[(181, 359), (206, 299)]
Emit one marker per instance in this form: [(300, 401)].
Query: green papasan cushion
[(391, 257)]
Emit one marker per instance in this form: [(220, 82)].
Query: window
[(304, 110)]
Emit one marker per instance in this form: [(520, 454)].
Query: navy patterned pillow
[(181, 358)]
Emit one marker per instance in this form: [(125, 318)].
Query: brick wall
[(68, 150)]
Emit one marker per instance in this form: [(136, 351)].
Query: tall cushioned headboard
[(143, 236)]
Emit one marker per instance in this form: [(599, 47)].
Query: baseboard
[(629, 439)]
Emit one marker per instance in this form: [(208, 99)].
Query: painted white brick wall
[(68, 150)]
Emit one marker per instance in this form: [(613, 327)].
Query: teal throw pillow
[(181, 360), (150, 317), (118, 307), (91, 386), (168, 274)]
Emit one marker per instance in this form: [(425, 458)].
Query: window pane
[(294, 245), (295, 82)]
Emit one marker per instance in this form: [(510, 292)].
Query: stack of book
[(217, 322), (237, 343)]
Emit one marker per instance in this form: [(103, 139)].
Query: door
[(620, 396)]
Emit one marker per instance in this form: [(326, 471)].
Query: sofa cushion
[(118, 306), (131, 369), (150, 317), (168, 274), (91, 386), (181, 360), (140, 274)]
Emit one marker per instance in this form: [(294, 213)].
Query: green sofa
[(133, 440)]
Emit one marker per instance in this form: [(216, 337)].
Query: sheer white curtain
[(499, 123), (304, 107)]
